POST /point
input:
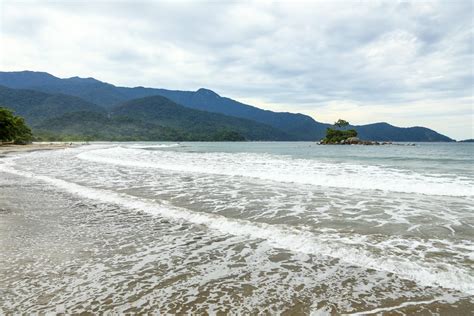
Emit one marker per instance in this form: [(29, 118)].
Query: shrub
[(334, 136)]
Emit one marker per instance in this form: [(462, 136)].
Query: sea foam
[(280, 236), (287, 169)]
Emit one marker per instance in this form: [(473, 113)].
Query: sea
[(271, 228)]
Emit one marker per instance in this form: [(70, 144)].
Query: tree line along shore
[(15, 131)]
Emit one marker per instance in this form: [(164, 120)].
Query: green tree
[(13, 128), (341, 123), (336, 136), (7, 125), (23, 132)]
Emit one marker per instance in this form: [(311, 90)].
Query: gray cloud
[(317, 57)]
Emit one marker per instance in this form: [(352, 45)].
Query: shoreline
[(13, 149), (112, 228)]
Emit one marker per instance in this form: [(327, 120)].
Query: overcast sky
[(405, 62)]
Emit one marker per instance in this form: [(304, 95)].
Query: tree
[(341, 123), (23, 132), (13, 128), (336, 136), (7, 125)]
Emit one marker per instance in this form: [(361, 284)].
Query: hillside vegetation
[(162, 111), (69, 118), (103, 97)]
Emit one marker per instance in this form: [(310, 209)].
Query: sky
[(409, 63)]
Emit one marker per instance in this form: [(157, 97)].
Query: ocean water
[(291, 228)]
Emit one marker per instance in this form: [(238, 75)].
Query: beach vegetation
[(13, 128)]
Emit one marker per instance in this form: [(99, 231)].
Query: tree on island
[(13, 128), (341, 123), (337, 136)]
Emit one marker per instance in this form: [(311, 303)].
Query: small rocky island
[(339, 136)]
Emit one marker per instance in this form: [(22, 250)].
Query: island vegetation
[(13, 129), (339, 135)]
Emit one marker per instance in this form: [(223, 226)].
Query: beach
[(290, 228), (14, 149)]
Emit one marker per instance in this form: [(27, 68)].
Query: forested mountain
[(59, 116), (36, 106), (289, 125), (162, 111), (301, 127), (387, 132), (97, 126)]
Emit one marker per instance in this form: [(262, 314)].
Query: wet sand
[(10, 148), (83, 237), (63, 254)]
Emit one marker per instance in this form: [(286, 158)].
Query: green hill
[(64, 117), (97, 126), (36, 106), (387, 132), (162, 111), (298, 126)]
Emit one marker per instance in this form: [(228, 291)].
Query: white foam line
[(145, 146), (391, 308), (292, 171), (278, 236)]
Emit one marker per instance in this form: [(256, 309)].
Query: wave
[(280, 236), (288, 169), (145, 146)]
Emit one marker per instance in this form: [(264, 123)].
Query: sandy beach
[(244, 228), (11, 148)]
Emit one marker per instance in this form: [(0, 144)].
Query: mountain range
[(92, 109)]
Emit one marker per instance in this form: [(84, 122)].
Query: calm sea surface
[(238, 228)]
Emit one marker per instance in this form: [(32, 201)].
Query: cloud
[(377, 57)]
